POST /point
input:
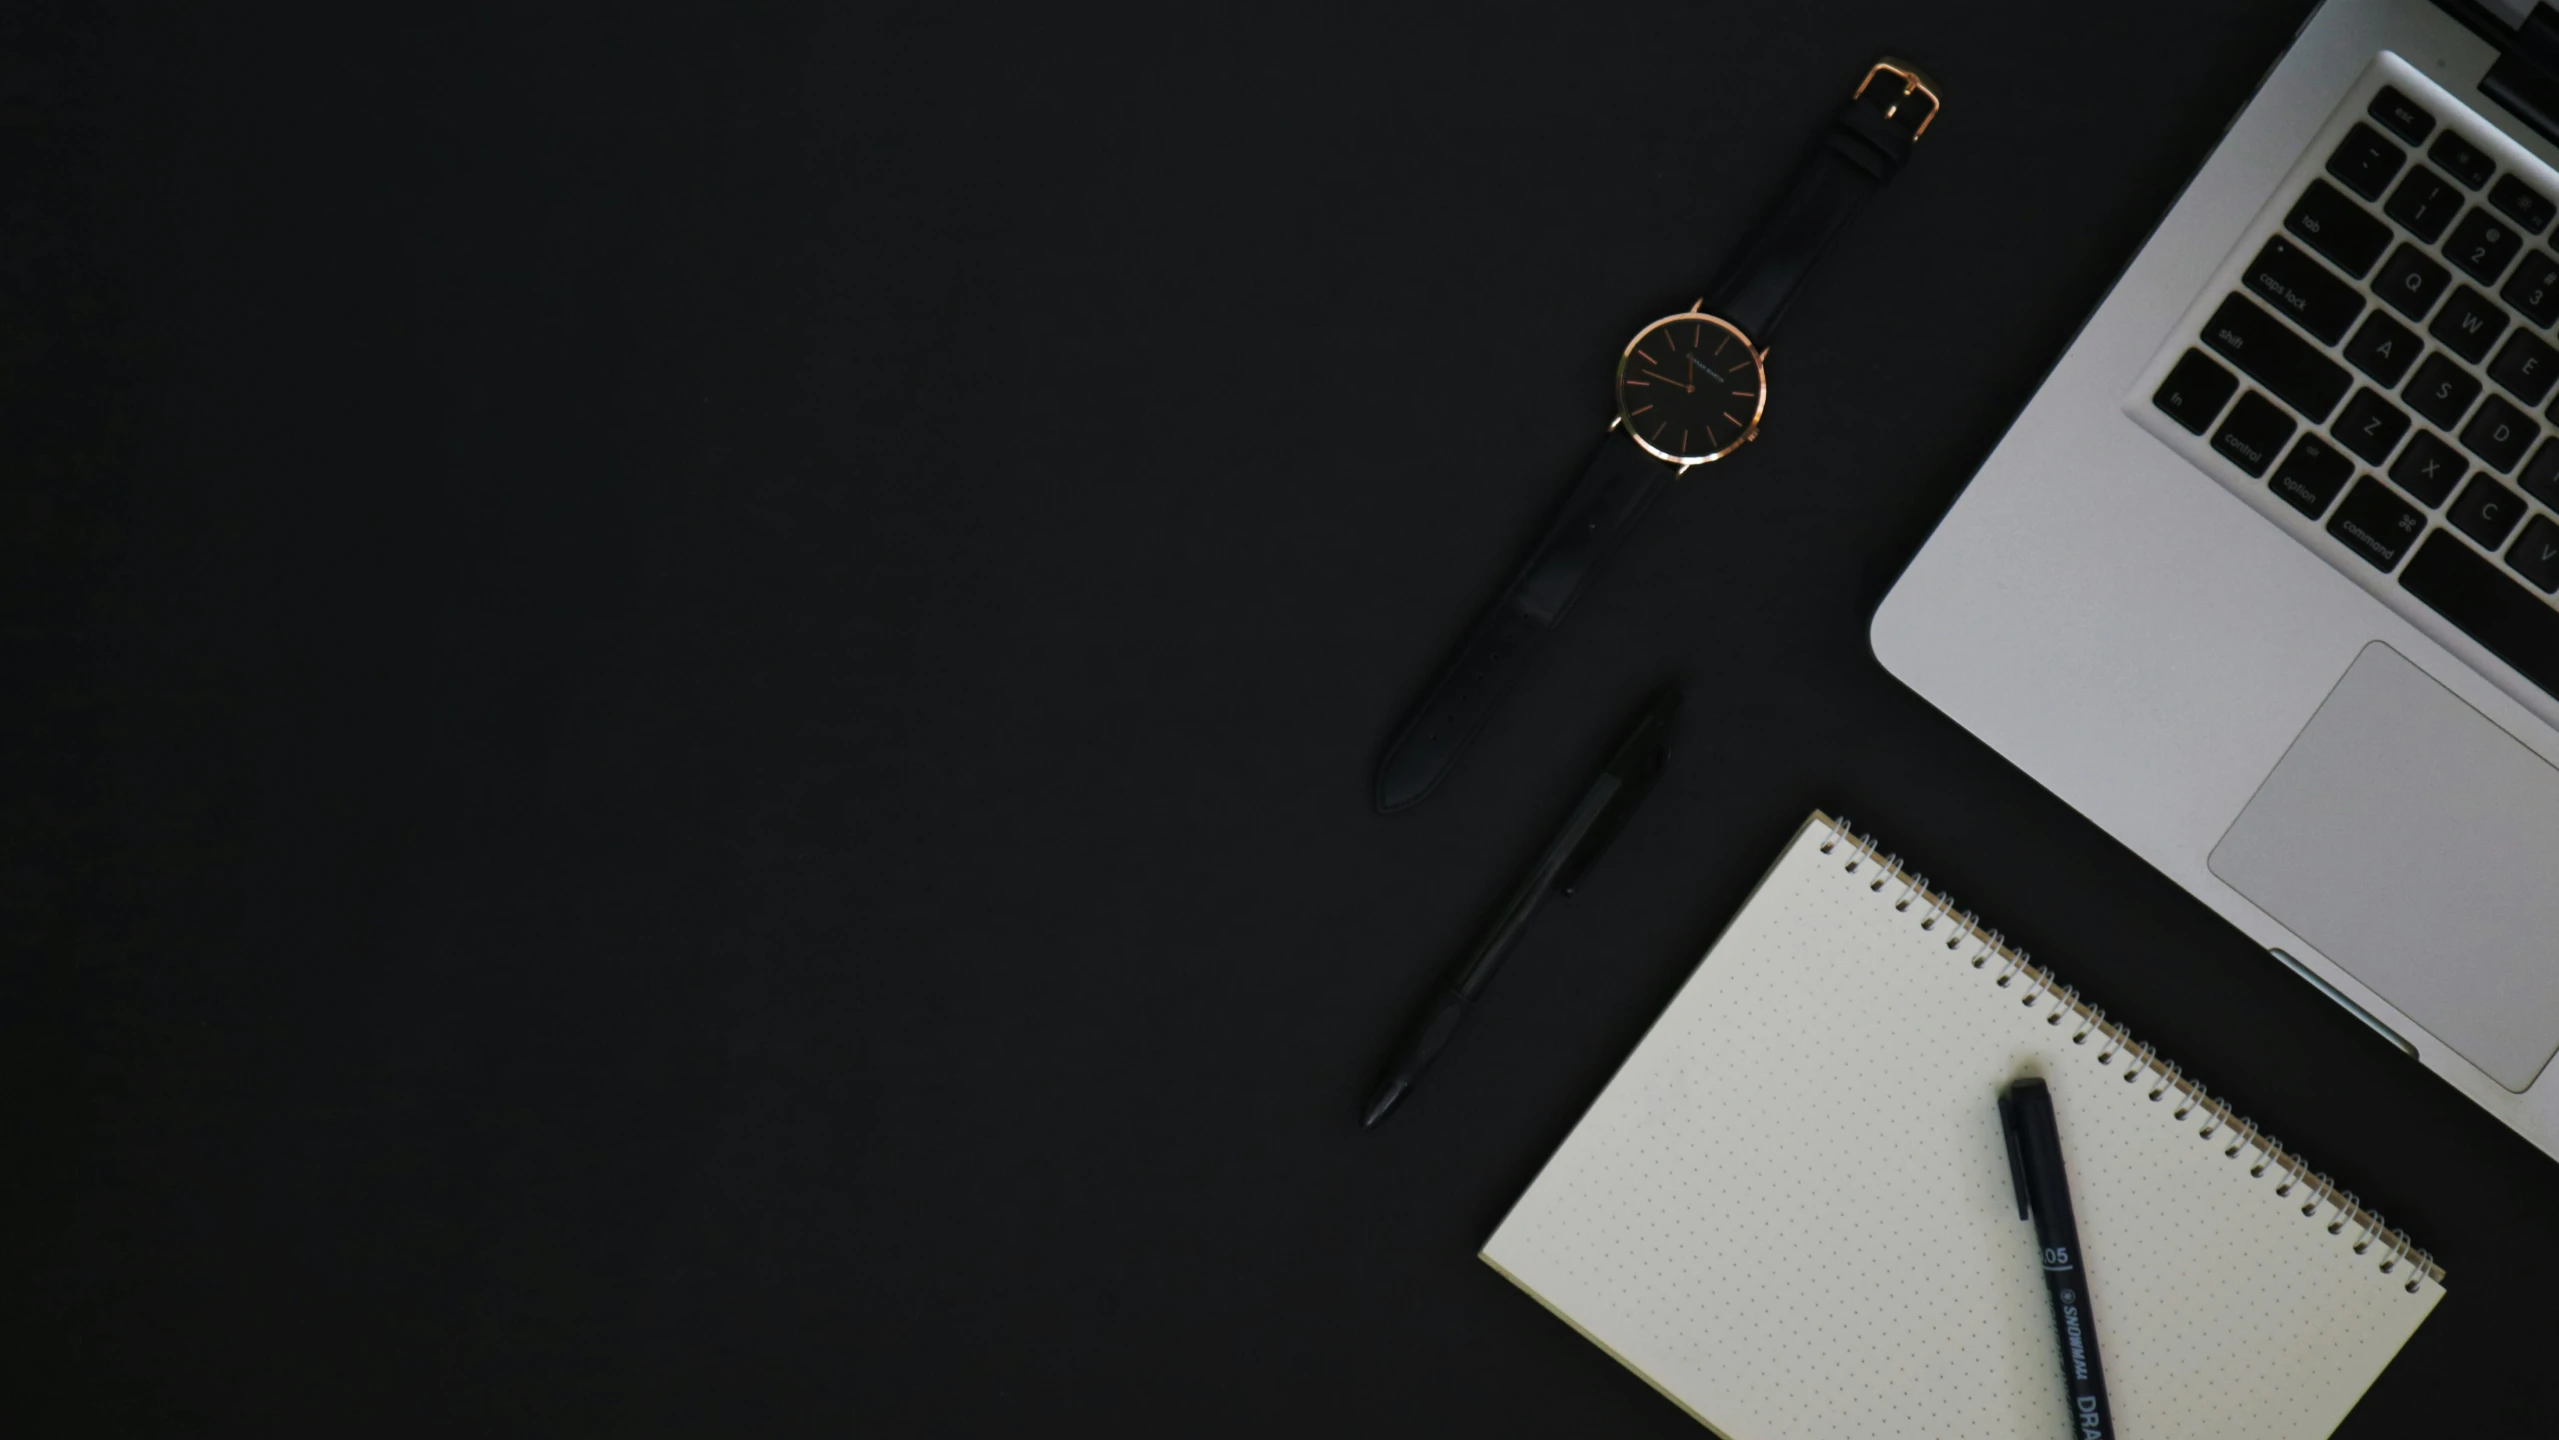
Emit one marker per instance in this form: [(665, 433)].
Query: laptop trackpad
[(2417, 845)]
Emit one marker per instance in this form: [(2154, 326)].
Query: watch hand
[(1682, 384)]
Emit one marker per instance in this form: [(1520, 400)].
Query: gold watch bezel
[(1750, 428)]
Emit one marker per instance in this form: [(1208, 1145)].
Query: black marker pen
[(2043, 1194)]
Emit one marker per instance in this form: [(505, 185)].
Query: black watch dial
[(1690, 389)]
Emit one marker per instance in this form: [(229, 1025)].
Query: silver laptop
[(2265, 579)]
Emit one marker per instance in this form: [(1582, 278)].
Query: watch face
[(1690, 389)]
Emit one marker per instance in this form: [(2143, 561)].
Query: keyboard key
[(2486, 512), (2441, 390), (2401, 115), (2483, 245), (2470, 592), (2428, 468), (2499, 433), (2525, 367), (2540, 479), (2468, 323), (2365, 162), (2383, 349), (2410, 282), (2285, 276), (2522, 204), (2425, 202), (2338, 228), (2195, 391), (2536, 554), (2283, 362), (2376, 524), (2534, 288), (2311, 476), (2371, 426), (2255, 430), (2461, 160)]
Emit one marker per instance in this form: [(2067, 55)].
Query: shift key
[(2280, 360), (2298, 286)]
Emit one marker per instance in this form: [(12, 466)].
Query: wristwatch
[(1691, 389)]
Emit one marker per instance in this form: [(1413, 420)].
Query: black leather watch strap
[(1865, 148), (1617, 485)]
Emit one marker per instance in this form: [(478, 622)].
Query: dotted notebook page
[(1791, 1210)]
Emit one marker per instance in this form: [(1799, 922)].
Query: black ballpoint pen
[(1622, 784), (2043, 1192)]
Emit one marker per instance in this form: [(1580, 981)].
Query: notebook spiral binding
[(2035, 985)]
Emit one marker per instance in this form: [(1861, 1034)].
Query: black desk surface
[(702, 687)]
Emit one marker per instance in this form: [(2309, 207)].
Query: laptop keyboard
[(2383, 366)]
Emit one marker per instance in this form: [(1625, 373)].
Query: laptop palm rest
[(2417, 845)]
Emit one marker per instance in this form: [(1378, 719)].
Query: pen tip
[(1383, 1101)]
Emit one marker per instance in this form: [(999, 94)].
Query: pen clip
[(1636, 764), (2016, 1153), (1621, 807)]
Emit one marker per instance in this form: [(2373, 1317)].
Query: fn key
[(2195, 391)]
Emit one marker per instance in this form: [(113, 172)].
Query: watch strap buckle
[(1913, 84)]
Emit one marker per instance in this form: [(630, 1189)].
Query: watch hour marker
[(1645, 383), (1649, 360), (1670, 339), (1635, 412), (1659, 427), (1683, 442), (1736, 370), (1746, 394), (1729, 416), (1721, 341)]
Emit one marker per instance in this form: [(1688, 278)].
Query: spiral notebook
[(1791, 1211)]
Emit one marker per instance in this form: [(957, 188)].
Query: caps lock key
[(2302, 288)]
